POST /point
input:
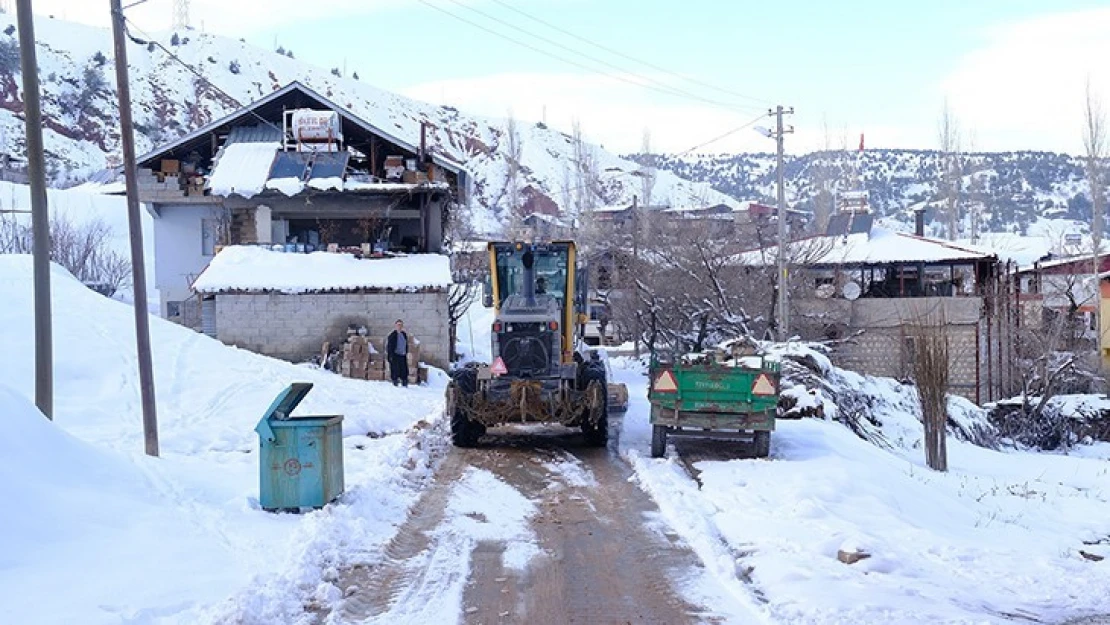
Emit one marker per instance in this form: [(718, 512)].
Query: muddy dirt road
[(598, 552)]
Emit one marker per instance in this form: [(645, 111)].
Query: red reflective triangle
[(665, 383), (498, 367), (763, 385)]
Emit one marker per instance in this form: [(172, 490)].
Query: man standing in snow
[(397, 348)]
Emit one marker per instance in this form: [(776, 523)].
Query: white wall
[(177, 250)]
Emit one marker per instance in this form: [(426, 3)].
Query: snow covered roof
[(258, 269), (880, 246), (1011, 247), (247, 112), (242, 169)]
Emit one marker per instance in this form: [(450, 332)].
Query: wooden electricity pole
[(40, 218), (135, 225)]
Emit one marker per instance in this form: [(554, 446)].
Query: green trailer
[(700, 396)]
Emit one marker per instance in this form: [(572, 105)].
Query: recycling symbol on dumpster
[(292, 467)]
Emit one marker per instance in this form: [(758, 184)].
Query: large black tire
[(597, 433), (762, 442), (658, 441), (465, 432)]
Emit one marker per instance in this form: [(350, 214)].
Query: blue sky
[(1013, 71)]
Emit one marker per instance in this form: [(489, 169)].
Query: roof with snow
[(239, 269), (253, 139), (877, 247)]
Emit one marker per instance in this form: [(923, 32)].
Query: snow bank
[(999, 534), (242, 169), (131, 539), (245, 268)]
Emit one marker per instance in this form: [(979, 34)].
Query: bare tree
[(929, 364), (647, 171), (587, 178), (1094, 143), (512, 176), (83, 249), (951, 174), (468, 270), (824, 174)]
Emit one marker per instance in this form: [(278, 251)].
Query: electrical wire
[(658, 85), (629, 57), (150, 40), (644, 82)]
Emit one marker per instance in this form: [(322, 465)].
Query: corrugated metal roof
[(254, 134)]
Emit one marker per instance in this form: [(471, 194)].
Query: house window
[(209, 234), (173, 309)]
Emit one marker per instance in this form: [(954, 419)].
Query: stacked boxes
[(364, 358)]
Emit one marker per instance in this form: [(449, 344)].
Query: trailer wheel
[(762, 440), (658, 441), (592, 380), (464, 430)]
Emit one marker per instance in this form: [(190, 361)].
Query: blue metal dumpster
[(301, 459)]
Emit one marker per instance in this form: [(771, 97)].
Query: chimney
[(919, 222)]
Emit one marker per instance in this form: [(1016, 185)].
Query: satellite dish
[(825, 291), (851, 291)]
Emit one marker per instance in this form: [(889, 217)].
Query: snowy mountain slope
[(1012, 191), (133, 539), (82, 137)]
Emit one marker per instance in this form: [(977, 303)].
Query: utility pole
[(636, 269), (135, 224), (40, 218), (780, 261)]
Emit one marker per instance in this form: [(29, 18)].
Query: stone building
[(881, 291), (286, 305)]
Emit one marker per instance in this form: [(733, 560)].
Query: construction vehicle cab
[(539, 372)]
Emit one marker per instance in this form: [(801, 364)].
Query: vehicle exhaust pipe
[(529, 287)]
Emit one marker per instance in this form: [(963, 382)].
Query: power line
[(718, 138), (628, 57), (647, 79), (650, 84), (150, 40)]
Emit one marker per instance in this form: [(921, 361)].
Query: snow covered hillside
[(179, 539), (1012, 191), (999, 538), (82, 136)]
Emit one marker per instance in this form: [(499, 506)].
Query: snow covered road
[(535, 527)]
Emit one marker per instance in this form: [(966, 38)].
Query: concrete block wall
[(294, 327), (883, 352)]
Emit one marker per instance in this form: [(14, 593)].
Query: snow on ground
[(474, 333), (179, 539), (999, 534), (82, 206), (251, 268)]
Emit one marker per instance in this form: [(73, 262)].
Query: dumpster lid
[(286, 401), (282, 407)]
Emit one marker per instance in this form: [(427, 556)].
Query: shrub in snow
[(99, 59), (233, 67), (83, 249), (289, 53), (882, 411), (355, 75), (1064, 420), (281, 50), (175, 40), (335, 71), (9, 30), (9, 56)]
